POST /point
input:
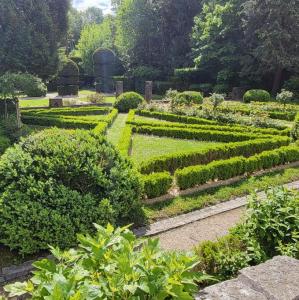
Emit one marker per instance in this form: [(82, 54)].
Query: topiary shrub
[(256, 95), (127, 101), (68, 82), (57, 183), (33, 86), (188, 98)]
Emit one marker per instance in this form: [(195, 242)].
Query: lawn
[(181, 205), (114, 133), (34, 102), (145, 147)]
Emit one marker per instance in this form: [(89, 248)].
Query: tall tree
[(95, 36), (272, 37), (31, 32), (155, 33), (218, 40), (78, 20)]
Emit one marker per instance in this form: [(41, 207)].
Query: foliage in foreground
[(270, 228), (56, 183), (113, 265)]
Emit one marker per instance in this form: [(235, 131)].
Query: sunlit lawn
[(145, 147)]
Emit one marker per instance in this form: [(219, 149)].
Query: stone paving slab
[(182, 220), (276, 279)]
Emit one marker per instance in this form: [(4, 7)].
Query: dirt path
[(188, 236)]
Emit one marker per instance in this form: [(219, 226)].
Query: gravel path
[(188, 236)]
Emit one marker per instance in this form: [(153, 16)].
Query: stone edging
[(177, 193), (181, 220)]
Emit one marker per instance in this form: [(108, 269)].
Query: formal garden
[(107, 132)]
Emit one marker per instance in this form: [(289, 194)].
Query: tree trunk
[(277, 81)]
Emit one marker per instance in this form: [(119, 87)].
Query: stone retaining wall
[(276, 279)]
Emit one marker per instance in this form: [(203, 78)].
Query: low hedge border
[(195, 134), (172, 162), (174, 118), (62, 121), (157, 184), (225, 169), (59, 122), (212, 127), (79, 111), (295, 129)]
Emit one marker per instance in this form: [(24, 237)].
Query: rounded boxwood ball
[(127, 101), (189, 97), (256, 95), (57, 183)]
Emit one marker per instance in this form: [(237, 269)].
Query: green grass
[(115, 131), (34, 103), (110, 99), (181, 205), (145, 147)]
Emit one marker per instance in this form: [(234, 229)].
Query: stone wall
[(276, 279)]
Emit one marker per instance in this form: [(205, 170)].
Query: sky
[(105, 5)]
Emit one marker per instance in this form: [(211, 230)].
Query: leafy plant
[(270, 224), (113, 265), (284, 97), (96, 98), (216, 100)]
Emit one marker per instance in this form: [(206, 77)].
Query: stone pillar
[(55, 102), (119, 88), (148, 91)]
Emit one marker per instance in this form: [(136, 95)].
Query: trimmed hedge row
[(295, 129), (78, 111), (101, 128), (236, 166), (173, 117), (212, 127), (193, 134), (125, 142), (59, 122), (157, 184), (172, 162)]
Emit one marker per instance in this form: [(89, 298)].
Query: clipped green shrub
[(225, 169), (56, 183), (68, 90), (172, 162), (157, 184), (68, 82), (187, 98), (113, 265), (295, 129), (197, 134), (127, 101), (256, 95)]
